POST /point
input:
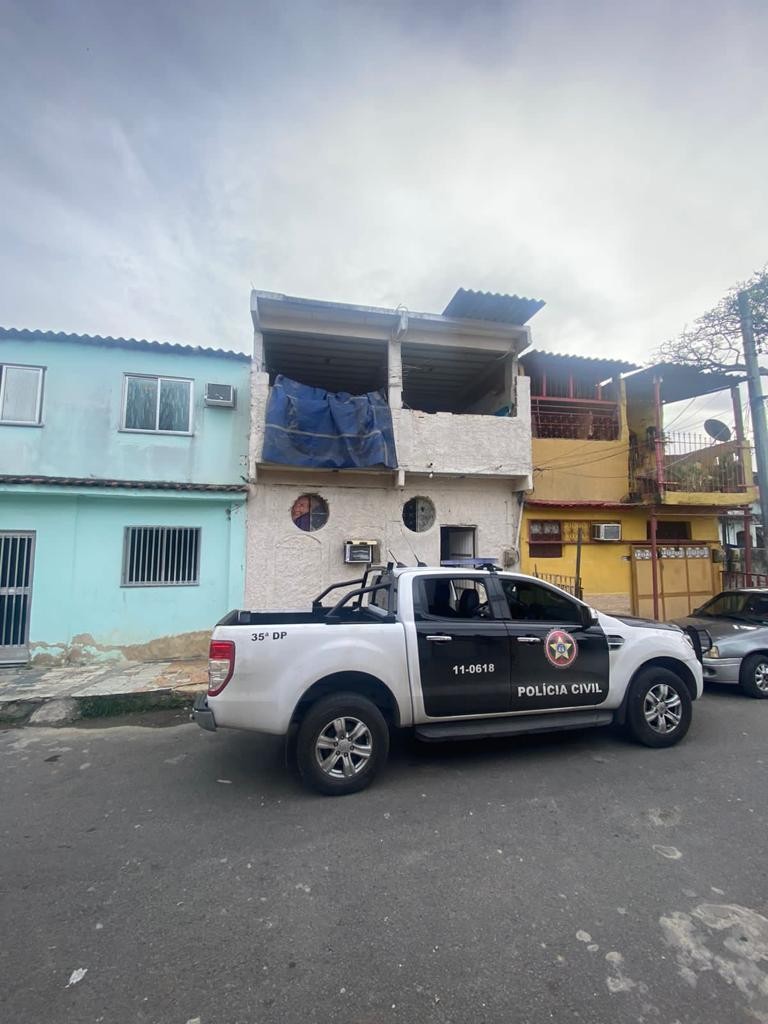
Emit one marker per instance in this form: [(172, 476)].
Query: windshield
[(737, 605)]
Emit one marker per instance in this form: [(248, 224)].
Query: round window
[(310, 512), (419, 514)]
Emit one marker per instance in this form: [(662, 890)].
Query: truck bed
[(317, 616)]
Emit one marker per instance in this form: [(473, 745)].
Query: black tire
[(753, 676), (641, 700), (318, 721)]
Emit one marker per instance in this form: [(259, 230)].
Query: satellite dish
[(717, 430)]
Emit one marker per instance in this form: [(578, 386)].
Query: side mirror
[(588, 616)]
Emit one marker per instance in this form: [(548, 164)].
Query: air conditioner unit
[(606, 531), (220, 394), (363, 551)]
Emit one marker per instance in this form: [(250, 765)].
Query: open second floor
[(599, 434), (77, 407), (442, 391)]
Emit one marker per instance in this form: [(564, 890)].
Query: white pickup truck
[(451, 653)]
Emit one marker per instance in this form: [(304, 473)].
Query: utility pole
[(757, 406)]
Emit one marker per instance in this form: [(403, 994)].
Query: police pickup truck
[(450, 653)]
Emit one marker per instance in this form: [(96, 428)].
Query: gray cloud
[(160, 158)]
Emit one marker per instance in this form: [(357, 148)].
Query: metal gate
[(17, 556), (685, 579)]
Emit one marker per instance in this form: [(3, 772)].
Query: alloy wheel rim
[(761, 677), (344, 747), (663, 707)]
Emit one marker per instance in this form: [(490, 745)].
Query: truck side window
[(452, 597), (531, 602)]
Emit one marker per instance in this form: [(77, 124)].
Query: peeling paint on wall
[(83, 650)]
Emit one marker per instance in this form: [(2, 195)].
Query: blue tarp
[(329, 430)]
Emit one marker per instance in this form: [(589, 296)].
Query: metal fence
[(739, 580), (581, 423), (571, 584), (692, 463)]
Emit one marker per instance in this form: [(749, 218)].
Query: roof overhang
[(273, 312), (586, 503), (506, 309), (592, 367), (678, 382)]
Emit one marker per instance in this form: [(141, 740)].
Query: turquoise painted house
[(123, 468)]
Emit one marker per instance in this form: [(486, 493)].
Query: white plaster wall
[(446, 443), (259, 398), (438, 442), (286, 567)]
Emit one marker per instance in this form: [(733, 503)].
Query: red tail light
[(221, 665)]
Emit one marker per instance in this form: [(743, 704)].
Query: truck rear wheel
[(342, 743), (659, 709)]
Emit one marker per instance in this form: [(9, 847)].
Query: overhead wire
[(681, 413), (586, 462)]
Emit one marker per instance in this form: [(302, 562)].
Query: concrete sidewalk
[(48, 695)]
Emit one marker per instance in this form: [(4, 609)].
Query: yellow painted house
[(644, 501)]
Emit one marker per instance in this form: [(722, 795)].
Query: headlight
[(713, 652)]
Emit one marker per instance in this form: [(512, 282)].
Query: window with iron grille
[(161, 556), (545, 538)]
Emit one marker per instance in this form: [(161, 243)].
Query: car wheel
[(342, 744), (659, 708), (753, 676)]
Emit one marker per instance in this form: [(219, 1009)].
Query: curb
[(22, 711)]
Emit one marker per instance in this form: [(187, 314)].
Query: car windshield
[(737, 604)]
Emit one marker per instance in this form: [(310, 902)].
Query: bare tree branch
[(714, 341)]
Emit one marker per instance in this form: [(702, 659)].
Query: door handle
[(439, 638), (528, 640)]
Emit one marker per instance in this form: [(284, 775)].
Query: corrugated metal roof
[(680, 382), (96, 339), (538, 362), (141, 485), (505, 309)]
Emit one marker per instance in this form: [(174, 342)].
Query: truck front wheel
[(342, 743), (659, 708)]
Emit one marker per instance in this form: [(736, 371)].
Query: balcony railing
[(741, 580), (578, 419), (691, 463)]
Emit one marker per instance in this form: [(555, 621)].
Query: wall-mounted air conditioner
[(362, 551), (606, 531), (220, 394)]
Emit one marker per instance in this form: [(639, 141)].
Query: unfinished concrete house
[(383, 434)]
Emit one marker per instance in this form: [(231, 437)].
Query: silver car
[(737, 622)]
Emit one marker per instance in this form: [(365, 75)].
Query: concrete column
[(510, 383), (259, 392), (395, 374)]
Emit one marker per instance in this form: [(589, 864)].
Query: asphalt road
[(567, 878)]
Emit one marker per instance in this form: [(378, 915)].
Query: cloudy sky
[(160, 158)]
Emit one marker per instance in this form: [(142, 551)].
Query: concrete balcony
[(440, 443), (695, 471), (463, 445)]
